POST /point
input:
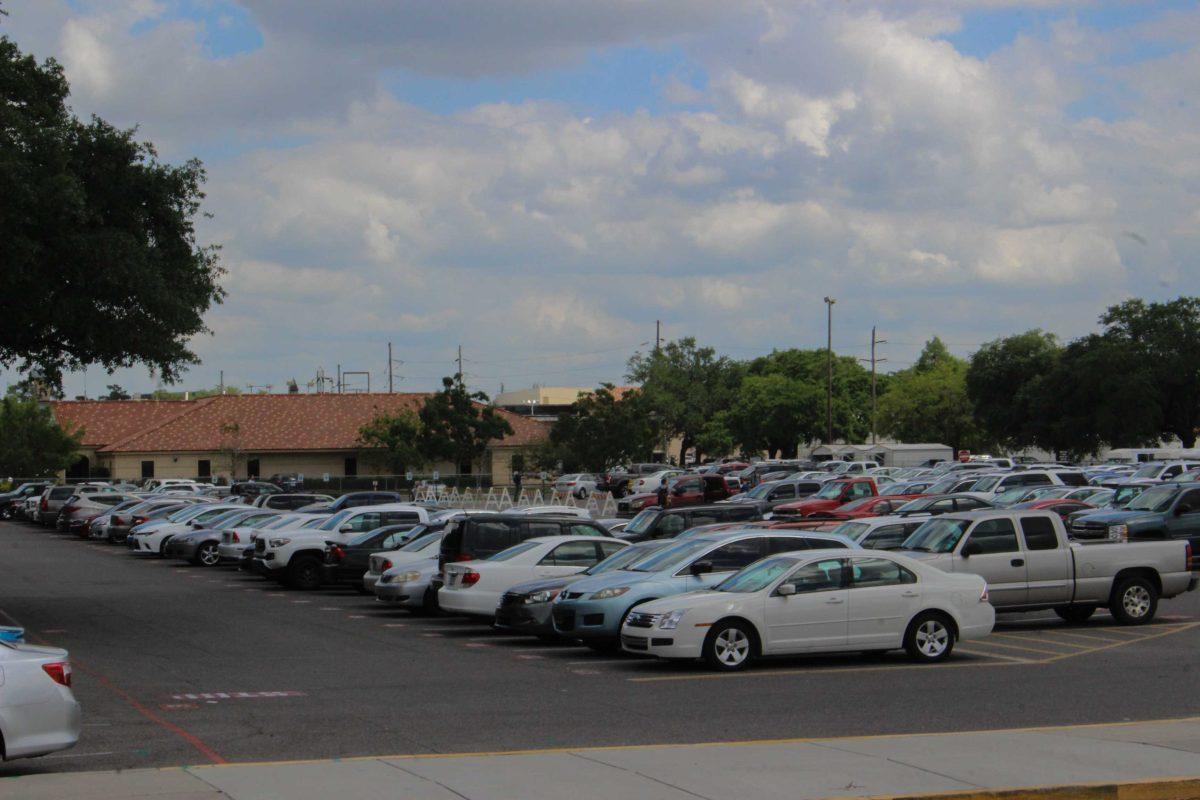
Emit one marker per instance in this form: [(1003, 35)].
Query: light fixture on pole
[(829, 301)]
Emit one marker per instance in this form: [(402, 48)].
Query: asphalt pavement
[(179, 665)]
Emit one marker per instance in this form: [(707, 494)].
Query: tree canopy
[(600, 431), (32, 445), (929, 402), (99, 252)]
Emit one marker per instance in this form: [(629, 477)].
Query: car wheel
[(304, 573), (162, 547), (729, 646), (930, 638), (1075, 615), (208, 555), (1134, 601)]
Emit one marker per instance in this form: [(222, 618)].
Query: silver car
[(404, 577)]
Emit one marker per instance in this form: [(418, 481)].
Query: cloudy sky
[(540, 180)]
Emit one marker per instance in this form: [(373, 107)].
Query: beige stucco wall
[(312, 465)]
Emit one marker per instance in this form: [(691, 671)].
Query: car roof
[(569, 538)]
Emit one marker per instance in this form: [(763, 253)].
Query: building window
[(204, 468), (351, 466), (464, 468), (147, 469), (252, 467)]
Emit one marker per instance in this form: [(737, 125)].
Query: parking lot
[(186, 665)]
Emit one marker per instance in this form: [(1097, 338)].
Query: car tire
[(1075, 615), (304, 573), (162, 547), (929, 638), (730, 646), (207, 555), (1134, 601)]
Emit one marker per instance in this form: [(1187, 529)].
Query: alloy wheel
[(209, 556), (732, 647), (932, 638), (1136, 601)]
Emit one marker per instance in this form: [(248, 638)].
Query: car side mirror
[(971, 549), (701, 568), (786, 589), (347, 528)]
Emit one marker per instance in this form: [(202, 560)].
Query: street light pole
[(829, 301)]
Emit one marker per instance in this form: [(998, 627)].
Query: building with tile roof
[(236, 436)]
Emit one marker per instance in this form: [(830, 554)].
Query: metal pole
[(874, 411), (390, 368), (657, 334), (829, 301), (339, 374), (460, 371)]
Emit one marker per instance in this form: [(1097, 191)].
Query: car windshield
[(262, 521), (853, 530), (938, 535), (313, 523), (185, 513), (280, 522), (757, 576), (626, 556), (1126, 493), (920, 504), (943, 486), (512, 552), (1157, 499), (1010, 496), (670, 555), (332, 522), (209, 514), (642, 522), (829, 491), (987, 484), (421, 542), (761, 491), (1148, 471)]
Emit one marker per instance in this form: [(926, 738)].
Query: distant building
[(546, 402), (238, 436), (888, 454)]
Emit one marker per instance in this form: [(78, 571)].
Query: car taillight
[(1187, 552), (139, 520), (338, 553), (470, 578), (983, 597), (465, 557), (386, 565), (118, 521), (59, 672), (45, 504), (233, 537), (68, 509)]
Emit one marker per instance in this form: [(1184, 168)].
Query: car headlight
[(1118, 532), (670, 621), (544, 596), (408, 577), (614, 591), (279, 542)]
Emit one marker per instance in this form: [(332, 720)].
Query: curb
[(1156, 789)]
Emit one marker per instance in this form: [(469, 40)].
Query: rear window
[(61, 493), (1072, 478)]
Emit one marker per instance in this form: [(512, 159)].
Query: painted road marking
[(969, 652), (356, 616), (1038, 640), (1050, 658), (298, 602), (217, 696), (330, 608), (394, 625), (432, 635), (476, 644)]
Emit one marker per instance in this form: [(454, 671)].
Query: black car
[(345, 562), (9, 501), (252, 488), (658, 523), (288, 481)]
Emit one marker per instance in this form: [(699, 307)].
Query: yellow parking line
[(965, 651), (1089, 637), (988, 642), (1038, 639), (774, 673), (1159, 635)]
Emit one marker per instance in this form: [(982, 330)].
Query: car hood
[(698, 602), (933, 559), (620, 577), (547, 584), (421, 564), (1122, 516)]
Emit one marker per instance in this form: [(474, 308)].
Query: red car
[(833, 495), (1064, 508), (867, 507)]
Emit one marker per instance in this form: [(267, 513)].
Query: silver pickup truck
[(1029, 564)]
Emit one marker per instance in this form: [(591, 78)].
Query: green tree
[(1163, 340), (457, 425), (32, 445), (774, 413), (929, 402), (1005, 382), (115, 392), (600, 431), (394, 441), (684, 387), (851, 388), (99, 231)]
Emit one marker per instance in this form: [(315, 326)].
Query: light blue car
[(593, 609)]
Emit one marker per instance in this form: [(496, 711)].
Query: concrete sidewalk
[(792, 769)]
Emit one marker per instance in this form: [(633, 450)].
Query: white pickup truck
[(1030, 565), (297, 555)]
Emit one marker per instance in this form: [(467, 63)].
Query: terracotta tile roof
[(275, 422), (107, 421)]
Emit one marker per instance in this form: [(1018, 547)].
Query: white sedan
[(475, 587), (38, 712), (816, 601)]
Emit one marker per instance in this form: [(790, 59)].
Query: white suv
[(991, 485), (296, 556)]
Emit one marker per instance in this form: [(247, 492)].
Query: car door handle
[(910, 594), (1018, 562), (833, 601)]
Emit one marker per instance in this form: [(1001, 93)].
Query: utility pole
[(221, 386), (874, 361), (390, 388), (339, 379), (657, 334), (460, 370), (829, 301)]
